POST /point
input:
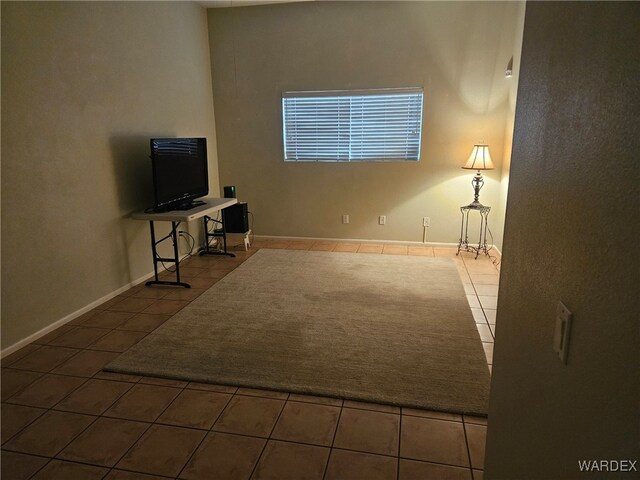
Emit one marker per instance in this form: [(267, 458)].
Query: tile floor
[(63, 418)]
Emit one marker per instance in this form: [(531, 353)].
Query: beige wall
[(84, 86), (501, 205), (457, 51), (571, 234)]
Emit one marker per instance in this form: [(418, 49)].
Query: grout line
[(268, 438), (326, 465), (44, 410), (434, 418), (78, 462), (52, 408), (48, 408), (466, 441), (399, 446), (114, 469), (313, 402), (399, 457), (481, 307), (88, 380), (50, 460), (151, 424), (26, 386), (208, 432), (55, 456), (351, 407), (333, 440), (41, 468)]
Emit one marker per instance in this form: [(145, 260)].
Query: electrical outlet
[(345, 218), (382, 220), (426, 221), (562, 331)]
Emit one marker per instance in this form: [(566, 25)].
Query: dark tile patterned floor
[(64, 418)]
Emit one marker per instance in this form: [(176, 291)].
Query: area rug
[(378, 328)]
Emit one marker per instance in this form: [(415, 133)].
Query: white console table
[(204, 211)]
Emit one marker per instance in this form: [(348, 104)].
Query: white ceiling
[(243, 3)]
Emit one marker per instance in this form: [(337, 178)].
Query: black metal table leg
[(217, 233), (157, 259), (154, 251)]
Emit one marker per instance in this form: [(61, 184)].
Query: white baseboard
[(364, 240), (361, 240), (66, 319)]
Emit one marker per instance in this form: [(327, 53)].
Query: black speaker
[(236, 218), (230, 191)]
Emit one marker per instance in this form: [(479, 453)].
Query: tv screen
[(179, 171)]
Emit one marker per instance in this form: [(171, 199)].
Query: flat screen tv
[(180, 172)]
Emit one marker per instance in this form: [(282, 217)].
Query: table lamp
[(480, 159)]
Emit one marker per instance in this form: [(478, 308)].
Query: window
[(348, 126)]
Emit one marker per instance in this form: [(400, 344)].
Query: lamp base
[(477, 184)]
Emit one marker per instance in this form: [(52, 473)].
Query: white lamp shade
[(480, 158)]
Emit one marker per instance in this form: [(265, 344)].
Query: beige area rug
[(378, 328)]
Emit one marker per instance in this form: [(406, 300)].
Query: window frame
[(358, 94)]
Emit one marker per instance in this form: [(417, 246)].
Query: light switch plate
[(562, 331)]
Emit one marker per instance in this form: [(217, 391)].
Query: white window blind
[(346, 126)]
